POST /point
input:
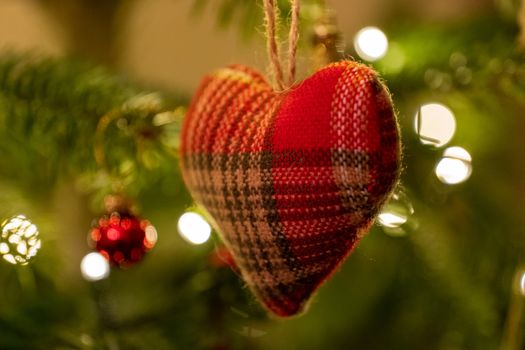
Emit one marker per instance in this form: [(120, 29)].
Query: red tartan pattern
[(292, 179)]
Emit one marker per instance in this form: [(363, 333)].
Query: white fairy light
[(455, 166), (193, 228), (396, 213), (94, 267), (392, 219), (371, 43), (435, 124), (522, 284), (19, 240)]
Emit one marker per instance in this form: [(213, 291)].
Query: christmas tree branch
[(50, 109)]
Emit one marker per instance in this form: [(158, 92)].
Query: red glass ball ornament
[(123, 238)]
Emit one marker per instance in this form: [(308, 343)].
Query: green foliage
[(460, 232), (49, 113)]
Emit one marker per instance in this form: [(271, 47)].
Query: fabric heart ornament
[(292, 179)]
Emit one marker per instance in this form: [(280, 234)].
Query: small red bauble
[(123, 238)]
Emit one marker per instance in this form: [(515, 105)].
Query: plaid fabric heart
[(292, 179)]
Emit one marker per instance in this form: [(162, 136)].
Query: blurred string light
[(435, 124), (396, 213), (193, 228), (19, 241), (455, 166), (371, 43), (522, 284), (94, 267)]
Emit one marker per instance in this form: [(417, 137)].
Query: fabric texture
[(292, 179)]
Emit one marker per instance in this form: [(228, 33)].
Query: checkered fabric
[(292, 179)]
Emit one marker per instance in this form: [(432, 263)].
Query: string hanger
[(271, 15)]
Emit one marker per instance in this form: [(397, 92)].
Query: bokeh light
[(19, 241), (371, 43), (522, 284), (151, 236), (94, 267), (193, 228), (455, 167), (435, 124), (395, 213)]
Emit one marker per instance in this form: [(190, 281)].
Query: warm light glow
[(151, 237), (10, 259), (194, 228), (455, 166), (371, 43), (15, 239), (396, 211), (113, 234), (458, 153), (19, 241), (435, 124), (94, 267), (391, 220), (30, 231), (522, 284), (21, 248)]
